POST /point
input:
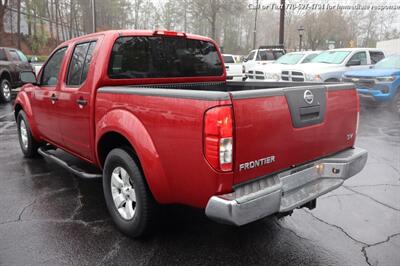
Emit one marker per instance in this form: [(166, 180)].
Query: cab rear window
[(163, 57)]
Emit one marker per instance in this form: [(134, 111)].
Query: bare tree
[(3, 8), (137, 4), (19, 24), (71, 17)]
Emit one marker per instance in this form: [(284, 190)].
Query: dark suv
[(12, 62)]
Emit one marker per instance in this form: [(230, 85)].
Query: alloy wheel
[(6, 90), (123, 193), (24, 134)]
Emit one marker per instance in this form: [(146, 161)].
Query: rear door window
[(162, 57), (264, 55), (80, 62), (376, 56), (88, 60), (228, 59), (14, 55)]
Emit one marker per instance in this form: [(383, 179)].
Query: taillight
[(218, 138), (358, 122), (358, 118), (169, 33)]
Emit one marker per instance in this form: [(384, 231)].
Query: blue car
[(380, 83)]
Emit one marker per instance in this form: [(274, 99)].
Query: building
[(389, 46)]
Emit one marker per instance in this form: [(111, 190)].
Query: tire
[(5, 91), (396, 103), (124, 182), (29, 145)]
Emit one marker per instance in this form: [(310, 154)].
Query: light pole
[(255, 27), (282, 23), (94, 15), (300, 29)]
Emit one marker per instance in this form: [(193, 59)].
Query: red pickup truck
[(153, 112)]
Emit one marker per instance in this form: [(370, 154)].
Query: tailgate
[(276, 129)]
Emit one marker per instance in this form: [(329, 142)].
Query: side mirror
[(245, 59), (354, 62), (27, 77)]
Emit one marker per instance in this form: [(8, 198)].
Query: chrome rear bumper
[(287, 190)]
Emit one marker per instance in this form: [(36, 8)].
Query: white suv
[(330, 65), (262, 56), (272, 72)]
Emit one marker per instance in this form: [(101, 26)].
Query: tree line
[(229, 22)]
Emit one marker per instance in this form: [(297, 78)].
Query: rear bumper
[(287, 190)]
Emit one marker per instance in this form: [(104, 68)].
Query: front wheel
[(129, 200), (5, 90), (396, 103), (28, 144)]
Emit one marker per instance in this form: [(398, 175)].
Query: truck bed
[(273, 122)]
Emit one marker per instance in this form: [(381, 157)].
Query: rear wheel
[(5, 90), (128, 199), (28, 144)]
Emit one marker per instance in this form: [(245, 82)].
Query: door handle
[(53, 98), (81, 102)]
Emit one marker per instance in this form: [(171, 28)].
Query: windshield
[(22, 56), (390, 62), (290, 59), (228, 59), (331, 57), (278, 54), (160, 57), (251, 55)]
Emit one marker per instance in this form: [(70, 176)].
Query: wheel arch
[(120, 128), (5, 75), (22, 103)]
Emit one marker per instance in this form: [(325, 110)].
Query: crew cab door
[(45, 96), (74, 105)]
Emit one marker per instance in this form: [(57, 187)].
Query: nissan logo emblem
[(308, 97)]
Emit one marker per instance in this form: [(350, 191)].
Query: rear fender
[(128, 125)]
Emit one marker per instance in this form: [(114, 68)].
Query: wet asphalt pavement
[(50, 217)]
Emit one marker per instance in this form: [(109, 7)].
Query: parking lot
[(50, 217)]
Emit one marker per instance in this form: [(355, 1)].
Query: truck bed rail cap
[(269, 92), (172, 93)]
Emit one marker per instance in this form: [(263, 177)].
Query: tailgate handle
[(308, 113)]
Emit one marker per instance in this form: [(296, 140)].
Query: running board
[(44, 151)]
